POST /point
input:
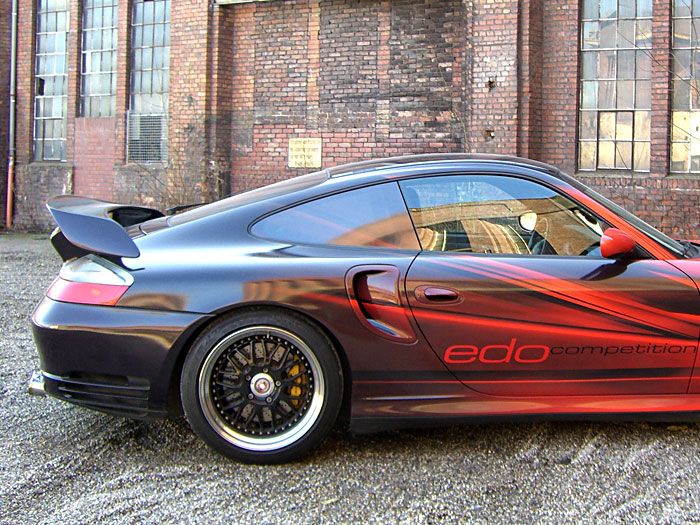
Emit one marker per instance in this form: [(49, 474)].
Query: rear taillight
[(90, 280)]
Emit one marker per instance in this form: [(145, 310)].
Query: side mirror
[(615, 243), (528, 221)]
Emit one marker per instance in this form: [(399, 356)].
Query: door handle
[(437, 294)]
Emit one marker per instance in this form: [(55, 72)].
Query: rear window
[(371, 217)]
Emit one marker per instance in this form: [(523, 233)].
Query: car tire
[(262, 386)]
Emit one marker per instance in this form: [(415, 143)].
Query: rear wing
[(94, 226)]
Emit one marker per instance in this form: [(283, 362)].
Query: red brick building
[(5, 45), (168, 102)]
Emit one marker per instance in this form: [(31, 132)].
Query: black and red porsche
[(409, 291)]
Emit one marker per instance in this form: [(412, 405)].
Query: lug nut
[(265, 370), (250, 396), (278, 383), (247, 378), (269, 400)]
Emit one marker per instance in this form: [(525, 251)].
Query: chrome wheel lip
[(260, 443)]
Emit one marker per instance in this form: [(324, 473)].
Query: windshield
[(248, 197), (635, 221)]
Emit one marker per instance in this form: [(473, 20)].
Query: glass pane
[(695, 32), (608, 8), (681, 63), (624, 126), (641, 156), (696, 7), (623, 155), (587, 155), (643, 94), (607, 64), (608, 34), (606, 155), (644, 8), (681, 33), (606, 94), (643, 65), (679, 157), (643, 33), (627, 8), (694, 89), (590, 9), (589, 69), (680, 126), (642, 125), (625, 33), (625, 94), (591, 35), (607, 126), (589, 95), (589, 125), (681, 94), (681, 8), (369, 217), (626, 64), (480, 215), (694, 129)]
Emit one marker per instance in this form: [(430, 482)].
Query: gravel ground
[(64, 464)]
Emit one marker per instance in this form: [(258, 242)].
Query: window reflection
[(368, 217), (499, 215)]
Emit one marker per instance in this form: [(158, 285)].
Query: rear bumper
[(117, 397), (116, 360)]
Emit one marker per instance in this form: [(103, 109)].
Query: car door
[(512, 293)]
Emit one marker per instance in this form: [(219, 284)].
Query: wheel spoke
[(253, 358)]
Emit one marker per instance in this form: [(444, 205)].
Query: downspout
[(13, 113)]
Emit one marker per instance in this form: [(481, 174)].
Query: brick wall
[(94, 157), (369, 78), (34, 184), (5, 44)]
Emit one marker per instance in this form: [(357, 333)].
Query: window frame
[(684, 138), (86, 56), (635, 143), (43, 57), (147, 124), (640, 252)]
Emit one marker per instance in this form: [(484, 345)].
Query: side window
[(500, 215), (374, 216)]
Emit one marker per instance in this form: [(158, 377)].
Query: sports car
[(411, 291)]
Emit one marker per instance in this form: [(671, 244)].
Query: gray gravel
[(63, 464)]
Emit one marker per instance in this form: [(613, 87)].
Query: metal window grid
[(99, 58), (685, 119), (615, 85), (147, 138), (150, 80), (50, 97)]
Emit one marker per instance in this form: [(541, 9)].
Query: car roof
[(436, 160), (348, 176)]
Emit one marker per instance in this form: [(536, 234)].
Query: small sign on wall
[(305, 152)]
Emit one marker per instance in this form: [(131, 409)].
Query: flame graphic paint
[(646, 307)]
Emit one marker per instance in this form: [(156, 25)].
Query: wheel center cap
[(262, 385)]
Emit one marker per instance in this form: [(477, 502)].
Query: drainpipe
[(13, 110)]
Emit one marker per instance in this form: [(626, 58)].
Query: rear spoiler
[(94, 226)]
